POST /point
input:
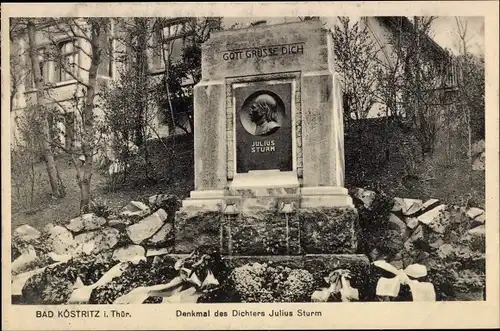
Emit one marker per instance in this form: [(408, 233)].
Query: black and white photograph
[(254, 159)]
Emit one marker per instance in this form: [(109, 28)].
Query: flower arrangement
[(269, 283)]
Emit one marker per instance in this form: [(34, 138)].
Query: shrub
[(376, 234)]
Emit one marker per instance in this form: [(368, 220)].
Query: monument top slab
[(266, 49)]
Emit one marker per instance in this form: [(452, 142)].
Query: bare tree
[(414, 83), (356, 60), (470, 96), (81, 32), (129, 104), (425, 83), (58, 189)]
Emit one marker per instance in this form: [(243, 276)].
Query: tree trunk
[(58, 189), (85, 176), (141, 71), (85, 196)]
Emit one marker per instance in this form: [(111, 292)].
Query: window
[(68, 57), (173, 37)]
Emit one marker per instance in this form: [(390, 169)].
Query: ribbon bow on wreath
[(339, 281), (420, 291), (185, 288)]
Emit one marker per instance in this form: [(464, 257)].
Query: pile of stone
[(133, 234), (448, 240), (436, 235)]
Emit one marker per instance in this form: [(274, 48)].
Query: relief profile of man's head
[(264, 113)]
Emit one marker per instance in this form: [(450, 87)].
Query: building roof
[(403, 23)]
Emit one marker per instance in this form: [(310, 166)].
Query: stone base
[(283, 187), (278, 228), (205, 200), (325, 196)]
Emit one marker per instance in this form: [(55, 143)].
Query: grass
[(44, 209), (366, 166)]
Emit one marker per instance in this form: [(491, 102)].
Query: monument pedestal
[(268, 219), (269, 161)]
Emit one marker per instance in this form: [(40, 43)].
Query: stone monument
[(269, 161)]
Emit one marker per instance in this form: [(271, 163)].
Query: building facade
[(62, 84), (167, 39)]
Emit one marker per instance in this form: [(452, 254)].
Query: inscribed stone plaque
[(263, 127)]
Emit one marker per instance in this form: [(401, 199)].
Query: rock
[(59, 258), (47, 228), (26, 233), (120, 224), (398, 205), (478, 231), (99, 240), (479, 220), (411, 206), (158, 251), (436, 244), (412, 222), (418, 234), (479, 162), (147, 227), (27, 256), (397, 224), (158, 199), (410, 249), (135, 208), (132, 253), (163, 235), (60, 240), (366, 196), (474, 212), (86, 222), (84, 248), (430, 204), (432, 215)]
